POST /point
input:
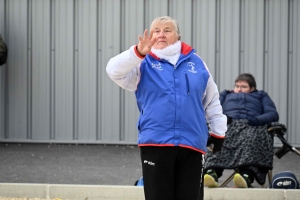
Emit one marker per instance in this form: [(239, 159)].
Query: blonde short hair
[(166, 19)]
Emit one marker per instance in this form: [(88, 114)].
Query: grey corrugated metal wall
[(54, 87)]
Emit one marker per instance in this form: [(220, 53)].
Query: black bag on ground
[(3, 51), (284, 180)]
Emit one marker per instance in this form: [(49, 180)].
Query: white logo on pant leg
[(149, 162)]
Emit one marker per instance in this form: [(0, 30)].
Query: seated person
[(248, 147)]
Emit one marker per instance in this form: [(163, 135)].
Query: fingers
[(151, 38), (140, 38), (145, 33), (152, 42), (146, 36), (147, 39), (151, 33), (146, 42)]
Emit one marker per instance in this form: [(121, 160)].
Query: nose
[(239, 89), (161, 34)]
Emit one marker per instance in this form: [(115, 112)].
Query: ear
[(252, 89)]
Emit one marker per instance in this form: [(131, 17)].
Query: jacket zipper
[(187, 84)]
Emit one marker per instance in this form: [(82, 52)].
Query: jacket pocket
[(139, 122), (187, 84)]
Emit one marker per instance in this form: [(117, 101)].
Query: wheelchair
[(276, 130)]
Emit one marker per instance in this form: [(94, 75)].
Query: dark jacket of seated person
[(257, 106)]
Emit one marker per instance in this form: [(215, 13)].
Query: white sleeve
[(213, 110), (124, 69)]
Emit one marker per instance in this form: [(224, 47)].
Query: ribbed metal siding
[(63, 84), (109, 94), (276, 65), (18, 73), (293, 73), (3, 75), (252, 39), (204, 32), (228, 43), (55, 88)]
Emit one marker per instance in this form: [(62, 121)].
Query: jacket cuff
[(137, 53), (216, 136)]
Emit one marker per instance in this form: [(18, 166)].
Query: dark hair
[(249, 78)]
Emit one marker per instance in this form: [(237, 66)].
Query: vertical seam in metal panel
[(122, 92), (265, 41), (217, 45), (52, 69), (289, 56), (74, 49), (77, 71), (98, 53), (75, 63), (122, 112), (168, 11), (29, 70), (241, 52), (192, 22), (6, 93), (144, 16)]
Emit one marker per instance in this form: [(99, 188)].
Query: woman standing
[(176, 97)]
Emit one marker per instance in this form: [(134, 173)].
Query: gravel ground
[(69, 164), (88, 165)]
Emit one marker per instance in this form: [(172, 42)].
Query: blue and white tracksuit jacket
[(175, 102)]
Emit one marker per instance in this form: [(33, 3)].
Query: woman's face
[(242, 86), (165, 35)]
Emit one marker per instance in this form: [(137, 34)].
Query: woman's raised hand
[(145, 43)]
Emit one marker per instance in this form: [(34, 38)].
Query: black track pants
[(172, 173)]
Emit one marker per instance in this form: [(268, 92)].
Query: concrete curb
[(102, 192)]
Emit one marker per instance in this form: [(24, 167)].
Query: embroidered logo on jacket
[(157, 66), (192, 66)]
